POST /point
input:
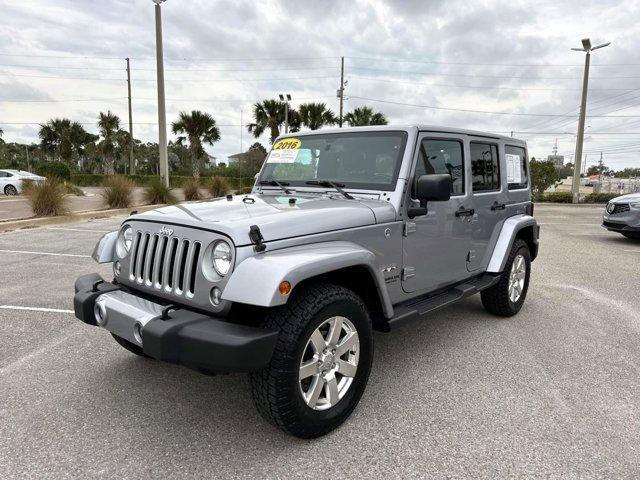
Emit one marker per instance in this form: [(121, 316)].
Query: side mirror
[(431, 188)]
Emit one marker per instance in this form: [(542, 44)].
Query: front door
[(435, 245)]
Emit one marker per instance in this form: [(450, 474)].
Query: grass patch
[(156, 193), (192, 189), (218, 186), (48, 198), (118, 192)]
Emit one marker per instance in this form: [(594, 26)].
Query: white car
[(11, 180)]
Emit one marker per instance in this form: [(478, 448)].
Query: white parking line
[(632, 251), (35, 309), (567, 224), (46, 253)]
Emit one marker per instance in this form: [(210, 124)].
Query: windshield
[(368, 160)]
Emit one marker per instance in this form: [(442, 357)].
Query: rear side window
[(3, 174), (485, 167), (442, 156), (516, 161)]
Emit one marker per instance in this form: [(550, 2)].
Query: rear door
[(488, 195), (4, 181), (435, 245)]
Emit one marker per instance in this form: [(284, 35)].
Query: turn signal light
[(284, 288)]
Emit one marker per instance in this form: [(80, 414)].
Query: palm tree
[(108, 126), (199, 127), (316, 115), (63, 139), (268, 115), (363, 116), (1, 133)]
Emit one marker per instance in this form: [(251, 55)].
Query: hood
[(630, 197), (275, 216)]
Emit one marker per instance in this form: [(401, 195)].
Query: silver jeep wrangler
[(345, 232)]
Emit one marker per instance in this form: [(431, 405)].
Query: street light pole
[(132, 166), (162, 114), (587, 48)]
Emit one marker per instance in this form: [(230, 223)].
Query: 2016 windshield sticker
[(287, 144), (285, 151)]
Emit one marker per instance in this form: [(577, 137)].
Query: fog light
[(137, 332), (116, 268), (216, 296), (100, 313), (284, 288)]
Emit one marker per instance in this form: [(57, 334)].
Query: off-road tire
[(632, 235), (127, 345), (276, 389), (10, 191), (496, 299)]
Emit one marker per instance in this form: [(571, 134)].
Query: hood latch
[(255, 235)]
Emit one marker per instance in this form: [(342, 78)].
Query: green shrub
[(192, 189), (600, 197), (48, 198), (117, 192), (218, 186), (244, 191), (96, 179), (54, 170), (556, 197), (156, 193)]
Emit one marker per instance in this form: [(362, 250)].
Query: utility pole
[(587, 48), (162, 114), (132, 166), (286, 98), (341, 89), (241, 144), (26, 149)]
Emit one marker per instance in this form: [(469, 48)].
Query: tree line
[(67, 141)]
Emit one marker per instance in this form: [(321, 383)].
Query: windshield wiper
[(327, 183), (276, 183)]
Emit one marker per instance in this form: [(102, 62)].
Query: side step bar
[(418, 307)]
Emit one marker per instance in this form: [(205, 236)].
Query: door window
[(485, 167), (441, 156), (516, 160)]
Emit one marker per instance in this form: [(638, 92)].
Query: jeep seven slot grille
[(620, 208), (165, 263)]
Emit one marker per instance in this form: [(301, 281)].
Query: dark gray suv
[(622, 215)]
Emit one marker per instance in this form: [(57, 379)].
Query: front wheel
[(507, 296), (10, 190), (632, 235), (321, 363)]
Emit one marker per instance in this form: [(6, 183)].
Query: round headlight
[(125, 240), (221, 258)]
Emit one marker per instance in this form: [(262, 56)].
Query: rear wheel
[(10, 190), (321, 363), (127, 345), (507, 296)]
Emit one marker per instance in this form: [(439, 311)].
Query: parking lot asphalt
[(553, 391)]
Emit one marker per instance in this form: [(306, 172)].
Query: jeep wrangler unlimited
[(345, 232)]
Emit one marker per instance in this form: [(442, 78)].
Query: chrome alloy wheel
[(517, 278), (329, 363)]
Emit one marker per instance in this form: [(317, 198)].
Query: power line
[(484, 111), (201, 80), (65, 100), (482, 87), (473, 75), (426, 62), (277, 69)]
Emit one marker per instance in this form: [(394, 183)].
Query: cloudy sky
[(63, 58)]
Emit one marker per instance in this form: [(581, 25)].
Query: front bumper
[(183, 337), (619, 226)]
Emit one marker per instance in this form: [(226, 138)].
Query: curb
[(62, 219), (576, 205)]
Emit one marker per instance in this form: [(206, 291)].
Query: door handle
[(498, 206), (462, 212)]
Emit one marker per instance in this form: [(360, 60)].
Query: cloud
[(223, 56)]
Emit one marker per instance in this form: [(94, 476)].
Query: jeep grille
[(165, 263)]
